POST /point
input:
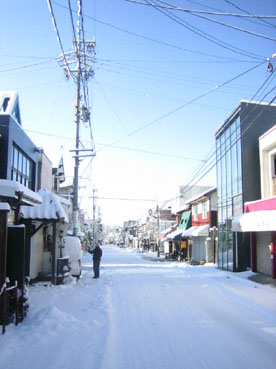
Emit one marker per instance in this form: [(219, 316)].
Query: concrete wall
[(45, 172)]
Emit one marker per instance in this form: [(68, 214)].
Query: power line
[(123, 199), (29, 65), (205, 35), (112, 146), (174, 7), (57, 31), (72, 21), (155, 153), (245, 11), (172, 78), (194, 12), (248, 20), (149, 38), (188, 103)]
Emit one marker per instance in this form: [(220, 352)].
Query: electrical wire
[(188, 103), (169, 77), (174, 7), (58, 35), (245, 11), (72, 21), (148, 38), (248, 20), (29, 65), (205, 35), (193, 12)]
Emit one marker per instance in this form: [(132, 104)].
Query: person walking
[(97, 254)]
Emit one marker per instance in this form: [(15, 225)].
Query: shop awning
[(197, 231), (255, 221), (165, 231)]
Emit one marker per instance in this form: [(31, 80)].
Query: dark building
[(238, 180), (18, 154)]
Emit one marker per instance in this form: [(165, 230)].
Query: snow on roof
[(7, 101), (9, 105), (198, 196), (51, 208), (10, 189), (4, 206)]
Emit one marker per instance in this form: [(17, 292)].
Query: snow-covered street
[(143, 314)]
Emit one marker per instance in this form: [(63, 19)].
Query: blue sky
[(147, 66)]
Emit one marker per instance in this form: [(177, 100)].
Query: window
[(22, 168), (204, 209), (195, 212)]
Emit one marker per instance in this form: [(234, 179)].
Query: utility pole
[(77, 64), (158, 230)]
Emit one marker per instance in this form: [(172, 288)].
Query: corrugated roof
[(51, 208)]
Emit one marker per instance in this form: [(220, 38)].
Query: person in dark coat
[(97, 254)]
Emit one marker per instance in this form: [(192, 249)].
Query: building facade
[(19, 155), (238, 180)]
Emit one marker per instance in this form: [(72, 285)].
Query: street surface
[(144, 314)]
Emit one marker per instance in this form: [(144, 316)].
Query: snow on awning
[(51, 208), (174, 235), (10, 191), (197, 231), (165, 231), (255, 221)]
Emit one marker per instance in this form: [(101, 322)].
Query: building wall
[(238, 178), (36, 254), (45, 173), (256, 120), (263, 252)]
